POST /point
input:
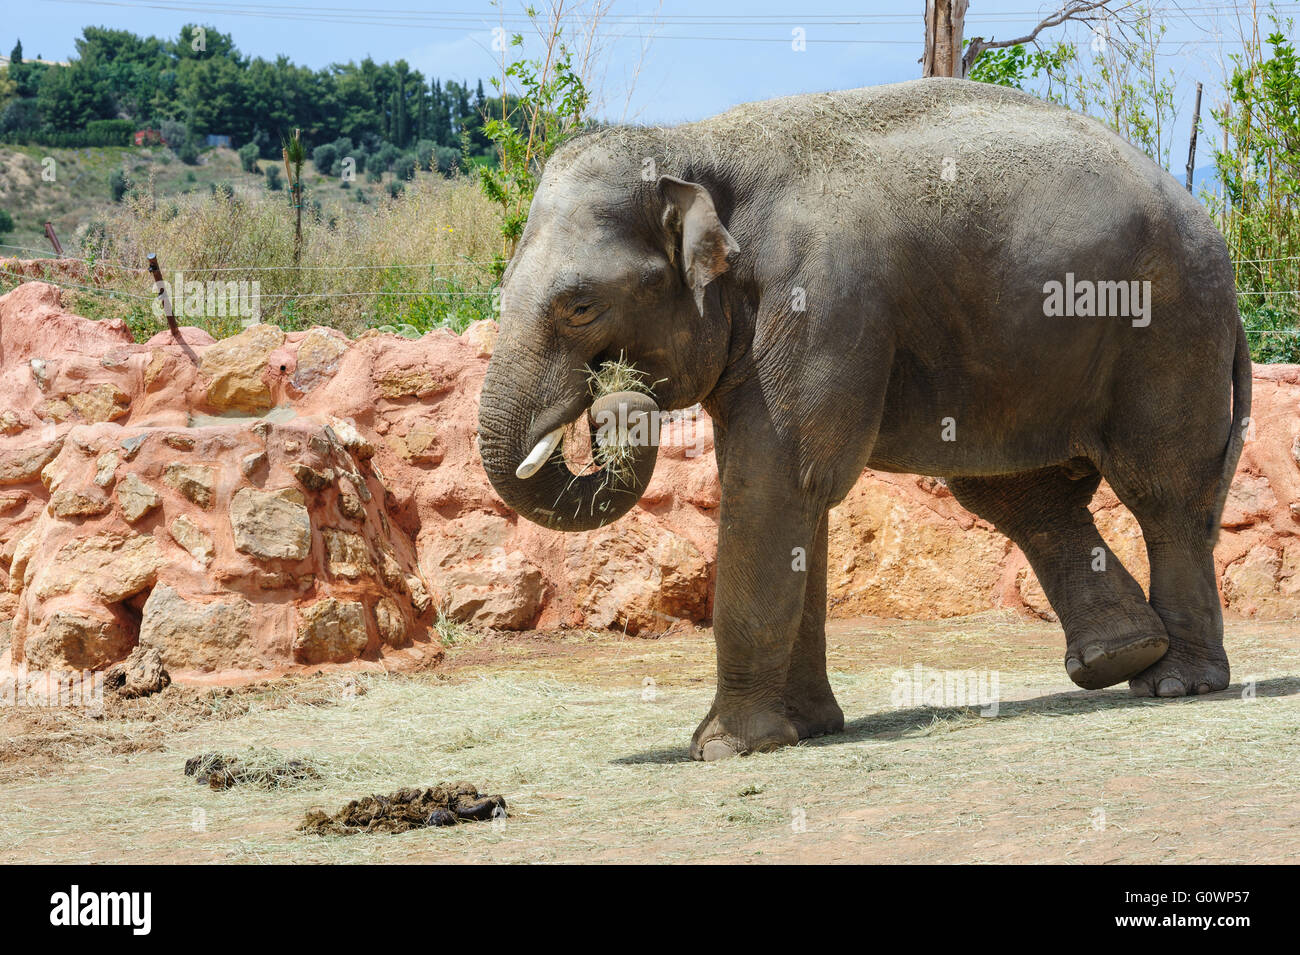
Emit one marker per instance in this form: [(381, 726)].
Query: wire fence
[(441, 293)]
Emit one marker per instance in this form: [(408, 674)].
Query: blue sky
[(702, 57)]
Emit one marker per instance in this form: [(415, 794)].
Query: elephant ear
[(690, 217)]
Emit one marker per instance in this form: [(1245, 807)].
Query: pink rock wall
[(297, 499)]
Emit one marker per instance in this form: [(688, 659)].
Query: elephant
[(940, 277)]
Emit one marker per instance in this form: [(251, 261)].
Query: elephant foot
[(1097, 663), (1181, 673), (814, 712), (735, 733)]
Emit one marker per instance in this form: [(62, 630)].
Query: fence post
[(161, 288), (54, 239)]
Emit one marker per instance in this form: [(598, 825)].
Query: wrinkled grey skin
[(917, 224)]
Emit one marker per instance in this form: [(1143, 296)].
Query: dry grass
[(412, 263), (593, 771), (616, 458)]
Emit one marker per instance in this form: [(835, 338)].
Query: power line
[(416, 19)]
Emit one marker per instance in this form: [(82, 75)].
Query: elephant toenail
[(717, 749), (1171, 686), (1072, 665), (1204, 688), (1093, 655)]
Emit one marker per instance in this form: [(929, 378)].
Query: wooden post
[(1191, 150), (161, 288), (54, 239), (945, 28)]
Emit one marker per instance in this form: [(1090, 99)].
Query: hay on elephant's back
[(844, 141)]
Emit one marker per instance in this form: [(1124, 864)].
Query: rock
[(73, 640), (88, 502), (311, 478), (330, 631), (104, 402), (235, 369), (10, 423), (390, 623), (40, 372), (318, 357), (198, 636), (1250, 499), (20, 465), (111, 567), (408, 383), (347, 435), (481, 336), (181, 442), (506, 595), (347, 554), (194, 481), (252, 463), (105, 468), (1265, 583), (141, 674), (135, 498), (420, 444), (18, 564), (350, 503), (192, 538), (420, 598), (131, 446), (272, 525)]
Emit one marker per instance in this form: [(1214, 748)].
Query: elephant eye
[(581, 313)]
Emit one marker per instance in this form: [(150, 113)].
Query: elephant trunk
[(521, 445)]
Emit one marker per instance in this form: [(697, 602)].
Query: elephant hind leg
[(1178, 517), (1111, 632)]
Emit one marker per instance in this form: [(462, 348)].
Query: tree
[(71, 96), (948, 54)]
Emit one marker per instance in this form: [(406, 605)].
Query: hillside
[(80, 193)]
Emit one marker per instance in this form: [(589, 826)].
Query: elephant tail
[(1241, 384)]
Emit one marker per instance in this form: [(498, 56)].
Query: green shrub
[(118, 184), (323, 158), (404, 167)]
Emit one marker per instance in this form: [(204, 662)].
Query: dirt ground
[(585, 735)]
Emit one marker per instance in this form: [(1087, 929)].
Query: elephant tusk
[(538, 456)]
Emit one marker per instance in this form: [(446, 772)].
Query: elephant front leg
[(765, 538), (809, 702)]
